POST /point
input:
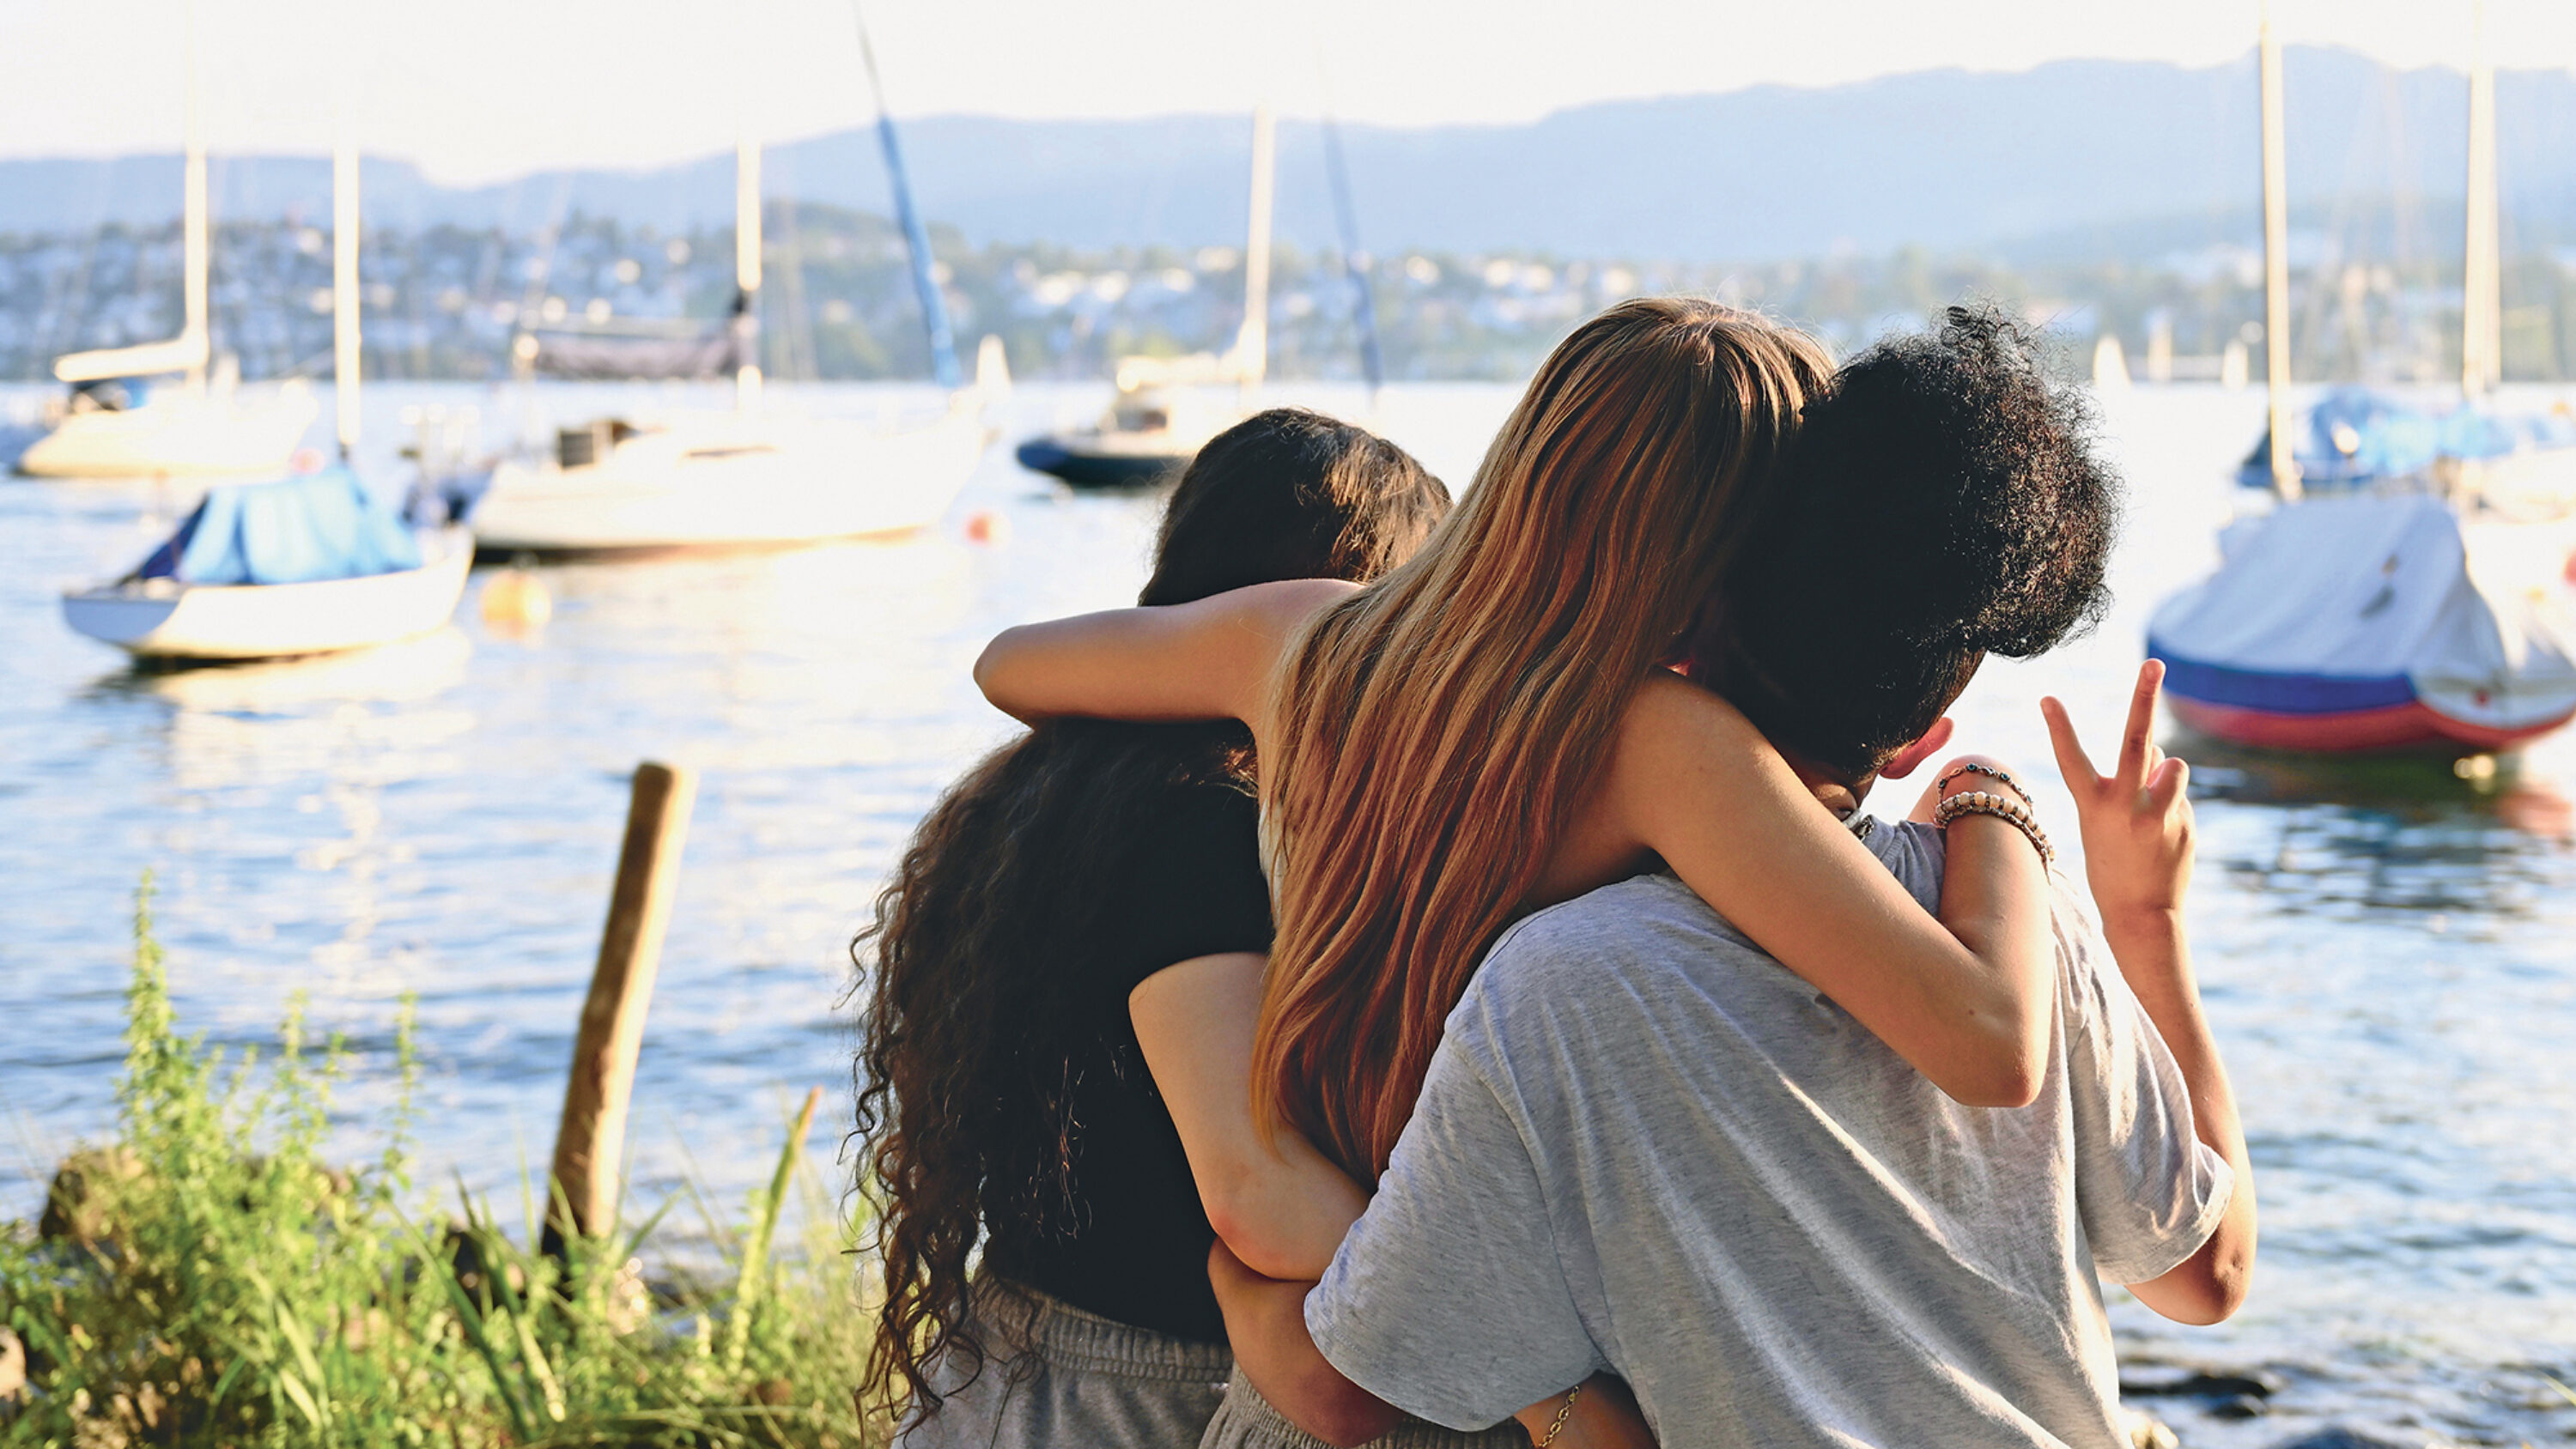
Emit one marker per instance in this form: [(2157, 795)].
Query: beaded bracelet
[(1992, 772), (2011, 812)]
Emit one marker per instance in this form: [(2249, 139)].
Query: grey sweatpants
[(1247, 1421), (1056, 1377)]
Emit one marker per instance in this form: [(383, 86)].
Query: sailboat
[(2515, 462), (2363, 439), (1161, 414), (743, 480), (115, 422), (2391, 605), (307, 564)]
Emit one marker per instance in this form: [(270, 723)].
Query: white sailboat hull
[(734, 484), (164, 620), (177, 433)]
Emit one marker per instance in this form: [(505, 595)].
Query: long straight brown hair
[(1437, 729)]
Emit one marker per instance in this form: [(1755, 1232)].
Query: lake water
[(2389, 949)]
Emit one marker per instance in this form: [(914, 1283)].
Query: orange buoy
[(987, 526), (515, 600)]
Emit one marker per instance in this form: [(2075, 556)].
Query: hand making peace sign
[(2136, 822)]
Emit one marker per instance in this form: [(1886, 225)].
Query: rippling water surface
[(2389, 950)]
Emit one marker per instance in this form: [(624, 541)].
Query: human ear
[(1905, 760)]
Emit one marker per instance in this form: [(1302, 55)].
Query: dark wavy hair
[(1940, 502), (962, 1084)]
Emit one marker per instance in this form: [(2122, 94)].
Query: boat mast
[(916, 238), (1355, 263), (746, 271), (1252, 344), (187, 352), (2276, 270), (2482, 270), (194, 243), (345, 364)]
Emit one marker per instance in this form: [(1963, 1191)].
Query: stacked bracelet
[(1991, 772), (2011, 812)]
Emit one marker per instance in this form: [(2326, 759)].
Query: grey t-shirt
[(1645, 1147)]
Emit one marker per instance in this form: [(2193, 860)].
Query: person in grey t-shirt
[(1646, 1149)]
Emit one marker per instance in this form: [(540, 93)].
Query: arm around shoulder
[(1208, 659), (1266, 1325), (1968, 998), (1280, 1205)]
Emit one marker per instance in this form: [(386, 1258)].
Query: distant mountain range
[(2084, 155)]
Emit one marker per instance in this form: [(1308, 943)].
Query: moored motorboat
[(1157, 421), (1158, 418), (1106, 460), (303, 565)]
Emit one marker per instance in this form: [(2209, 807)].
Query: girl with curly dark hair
[(1004, 1104)]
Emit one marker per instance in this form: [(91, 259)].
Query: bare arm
[(1279, 1204), (1210, 659), (1265, 1320), (1970, 1006), (2154, 958), (2137, 827)]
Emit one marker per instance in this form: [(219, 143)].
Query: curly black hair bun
[(1942, 502)]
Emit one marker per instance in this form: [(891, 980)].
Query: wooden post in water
[(591, 1141)]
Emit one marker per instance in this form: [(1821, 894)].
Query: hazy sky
[(479, 90)]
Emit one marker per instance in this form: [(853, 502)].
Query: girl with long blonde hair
[(1488, 729)]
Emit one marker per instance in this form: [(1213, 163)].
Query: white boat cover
[(2341, 605)]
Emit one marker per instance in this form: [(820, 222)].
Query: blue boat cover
[(2353, 437), (296, 530)]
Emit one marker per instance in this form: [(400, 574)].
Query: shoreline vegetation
[(208, 1277)]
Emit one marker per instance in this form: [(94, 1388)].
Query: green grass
[(217, 1281)]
